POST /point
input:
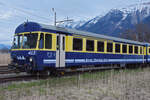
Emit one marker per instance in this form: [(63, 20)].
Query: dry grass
[(109, 85), (4, 58)]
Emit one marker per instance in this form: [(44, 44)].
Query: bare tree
[(129, 34), (140, 33)]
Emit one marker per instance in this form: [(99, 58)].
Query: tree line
[(140, 33)]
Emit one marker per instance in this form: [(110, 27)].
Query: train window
[(130, 49), (109, 47), (41, 41), (58, 42), (117, 49), (124, 48), (17, 41), (48, 41), (90, 45), (136, 49), (141, 50), (100, 46), (77, 44), (30, 41), (63, 43)]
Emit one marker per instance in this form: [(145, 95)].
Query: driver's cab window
[(41, 41), (25, 43), (30, 41), (17, 42)]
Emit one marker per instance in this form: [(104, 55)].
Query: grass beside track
[(54, 81), (23, 89)]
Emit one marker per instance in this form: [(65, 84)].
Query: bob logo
[(21, 58), (31, 52)]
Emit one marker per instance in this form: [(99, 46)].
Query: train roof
[(32, 26)]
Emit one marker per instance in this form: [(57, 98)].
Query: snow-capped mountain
[(90, 22), (117, 21), (74, 24), (138, 10)]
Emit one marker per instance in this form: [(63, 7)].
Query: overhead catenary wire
[(19, 17), (29, 13)]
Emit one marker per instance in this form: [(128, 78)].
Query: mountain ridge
[(117, 21), (3, 46)]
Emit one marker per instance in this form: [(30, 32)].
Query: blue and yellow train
[(39, 48)]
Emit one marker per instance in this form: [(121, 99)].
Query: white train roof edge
[(90, 34)]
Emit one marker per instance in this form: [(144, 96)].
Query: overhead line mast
[(55, 18)]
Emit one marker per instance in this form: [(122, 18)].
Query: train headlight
[(30, 59)]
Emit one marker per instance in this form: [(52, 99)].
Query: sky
[(15, 12)]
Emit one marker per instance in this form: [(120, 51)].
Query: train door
[(60, 50)]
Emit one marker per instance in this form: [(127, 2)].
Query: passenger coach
[(39, 47)]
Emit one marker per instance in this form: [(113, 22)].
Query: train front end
[(29, 52), (23, 51)]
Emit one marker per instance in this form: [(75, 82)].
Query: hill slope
[(116, 21)]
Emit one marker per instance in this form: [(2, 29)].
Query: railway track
[(10, 76), (3, 67), (5, 79), (14, 78), (5, 70)]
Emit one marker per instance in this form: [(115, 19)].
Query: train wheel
[(58, 73), (62, 73)]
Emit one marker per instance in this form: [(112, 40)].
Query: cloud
[(2, 4), (6, 15), (5, 12)]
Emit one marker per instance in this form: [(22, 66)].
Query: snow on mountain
[(116, 21), (135, 7), (75, 24), (94, 20), (143, 10), (91, 22)]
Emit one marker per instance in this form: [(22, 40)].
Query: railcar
[(38, 47)]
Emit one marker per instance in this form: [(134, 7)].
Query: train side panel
[(77, 59)]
